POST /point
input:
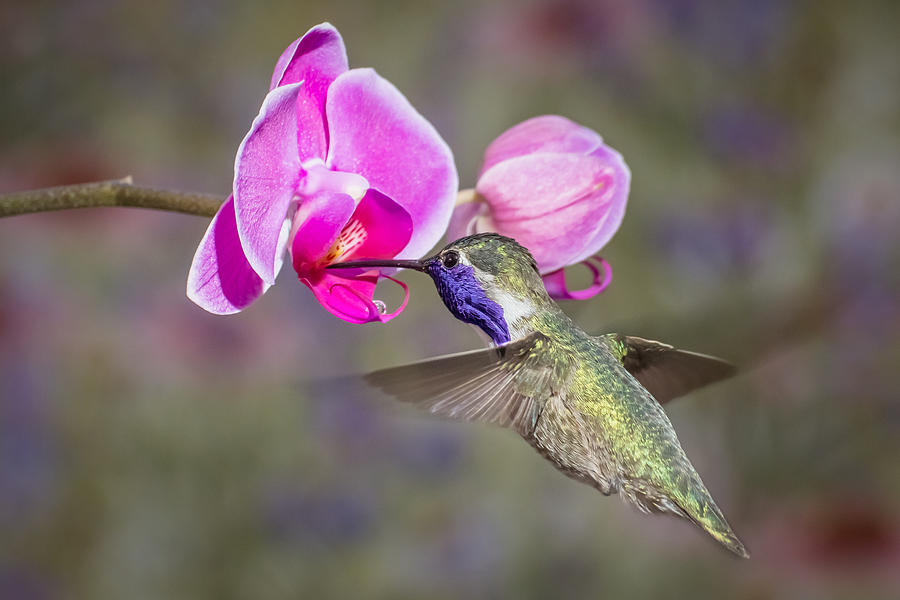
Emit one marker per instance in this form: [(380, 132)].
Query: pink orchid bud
[(337, 165), (556, 188)]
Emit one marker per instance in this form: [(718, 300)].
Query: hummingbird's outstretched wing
[(507, 386), (665, 371)]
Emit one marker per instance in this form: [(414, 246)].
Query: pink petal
[(375, 132), (387, 225), (317, 57), (547, 133), (317, 224), (553, 204), (555, 282), (388, 316), (266, 171), (312, 137), (617, 203), (350, 298), (377, 228), (221, 280)]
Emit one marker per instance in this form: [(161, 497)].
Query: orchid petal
[(317, 224), (375, 132), (350, 298), (387, 226), (330, 229), (312, 138), (317, 57), (547, 133), (384, 318), (566, 194), (620, 187), (266, 170), (221, 280), (555, 282), (329, 223)]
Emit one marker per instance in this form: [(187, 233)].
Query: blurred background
[(151, 450)]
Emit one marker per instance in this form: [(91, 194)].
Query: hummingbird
[(591, 405)]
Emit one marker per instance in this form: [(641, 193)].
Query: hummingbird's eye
[(450, 259)]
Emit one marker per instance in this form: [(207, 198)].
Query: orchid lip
[(417, 265)]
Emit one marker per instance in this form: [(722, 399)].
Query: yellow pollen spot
[(351, 237)]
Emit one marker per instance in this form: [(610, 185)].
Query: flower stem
[(118, 192), (121, 192)]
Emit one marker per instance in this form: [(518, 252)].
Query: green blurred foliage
[(148, 449)]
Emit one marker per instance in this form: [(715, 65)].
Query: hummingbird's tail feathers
[(665, 371), (713, 522), (723, 534), (697, 507)]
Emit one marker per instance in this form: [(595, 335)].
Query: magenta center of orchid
[(338, 216), (324, 228), (351, 237)]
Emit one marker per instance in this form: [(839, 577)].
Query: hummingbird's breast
[(566, 432)]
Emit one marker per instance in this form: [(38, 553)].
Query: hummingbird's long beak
[(417, 265)]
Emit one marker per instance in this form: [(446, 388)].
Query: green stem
[(118, 192)]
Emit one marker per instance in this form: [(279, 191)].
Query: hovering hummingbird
[(588, 404)]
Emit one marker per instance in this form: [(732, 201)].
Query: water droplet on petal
[(381, 306)]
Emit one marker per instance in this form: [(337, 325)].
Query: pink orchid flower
[(556, 188), (337, 165)]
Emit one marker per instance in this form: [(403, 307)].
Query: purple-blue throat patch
[(465, 298)]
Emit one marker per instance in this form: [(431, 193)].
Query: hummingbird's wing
[(507, 386), (665, 371)]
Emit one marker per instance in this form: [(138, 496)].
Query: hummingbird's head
[(486, 279)]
